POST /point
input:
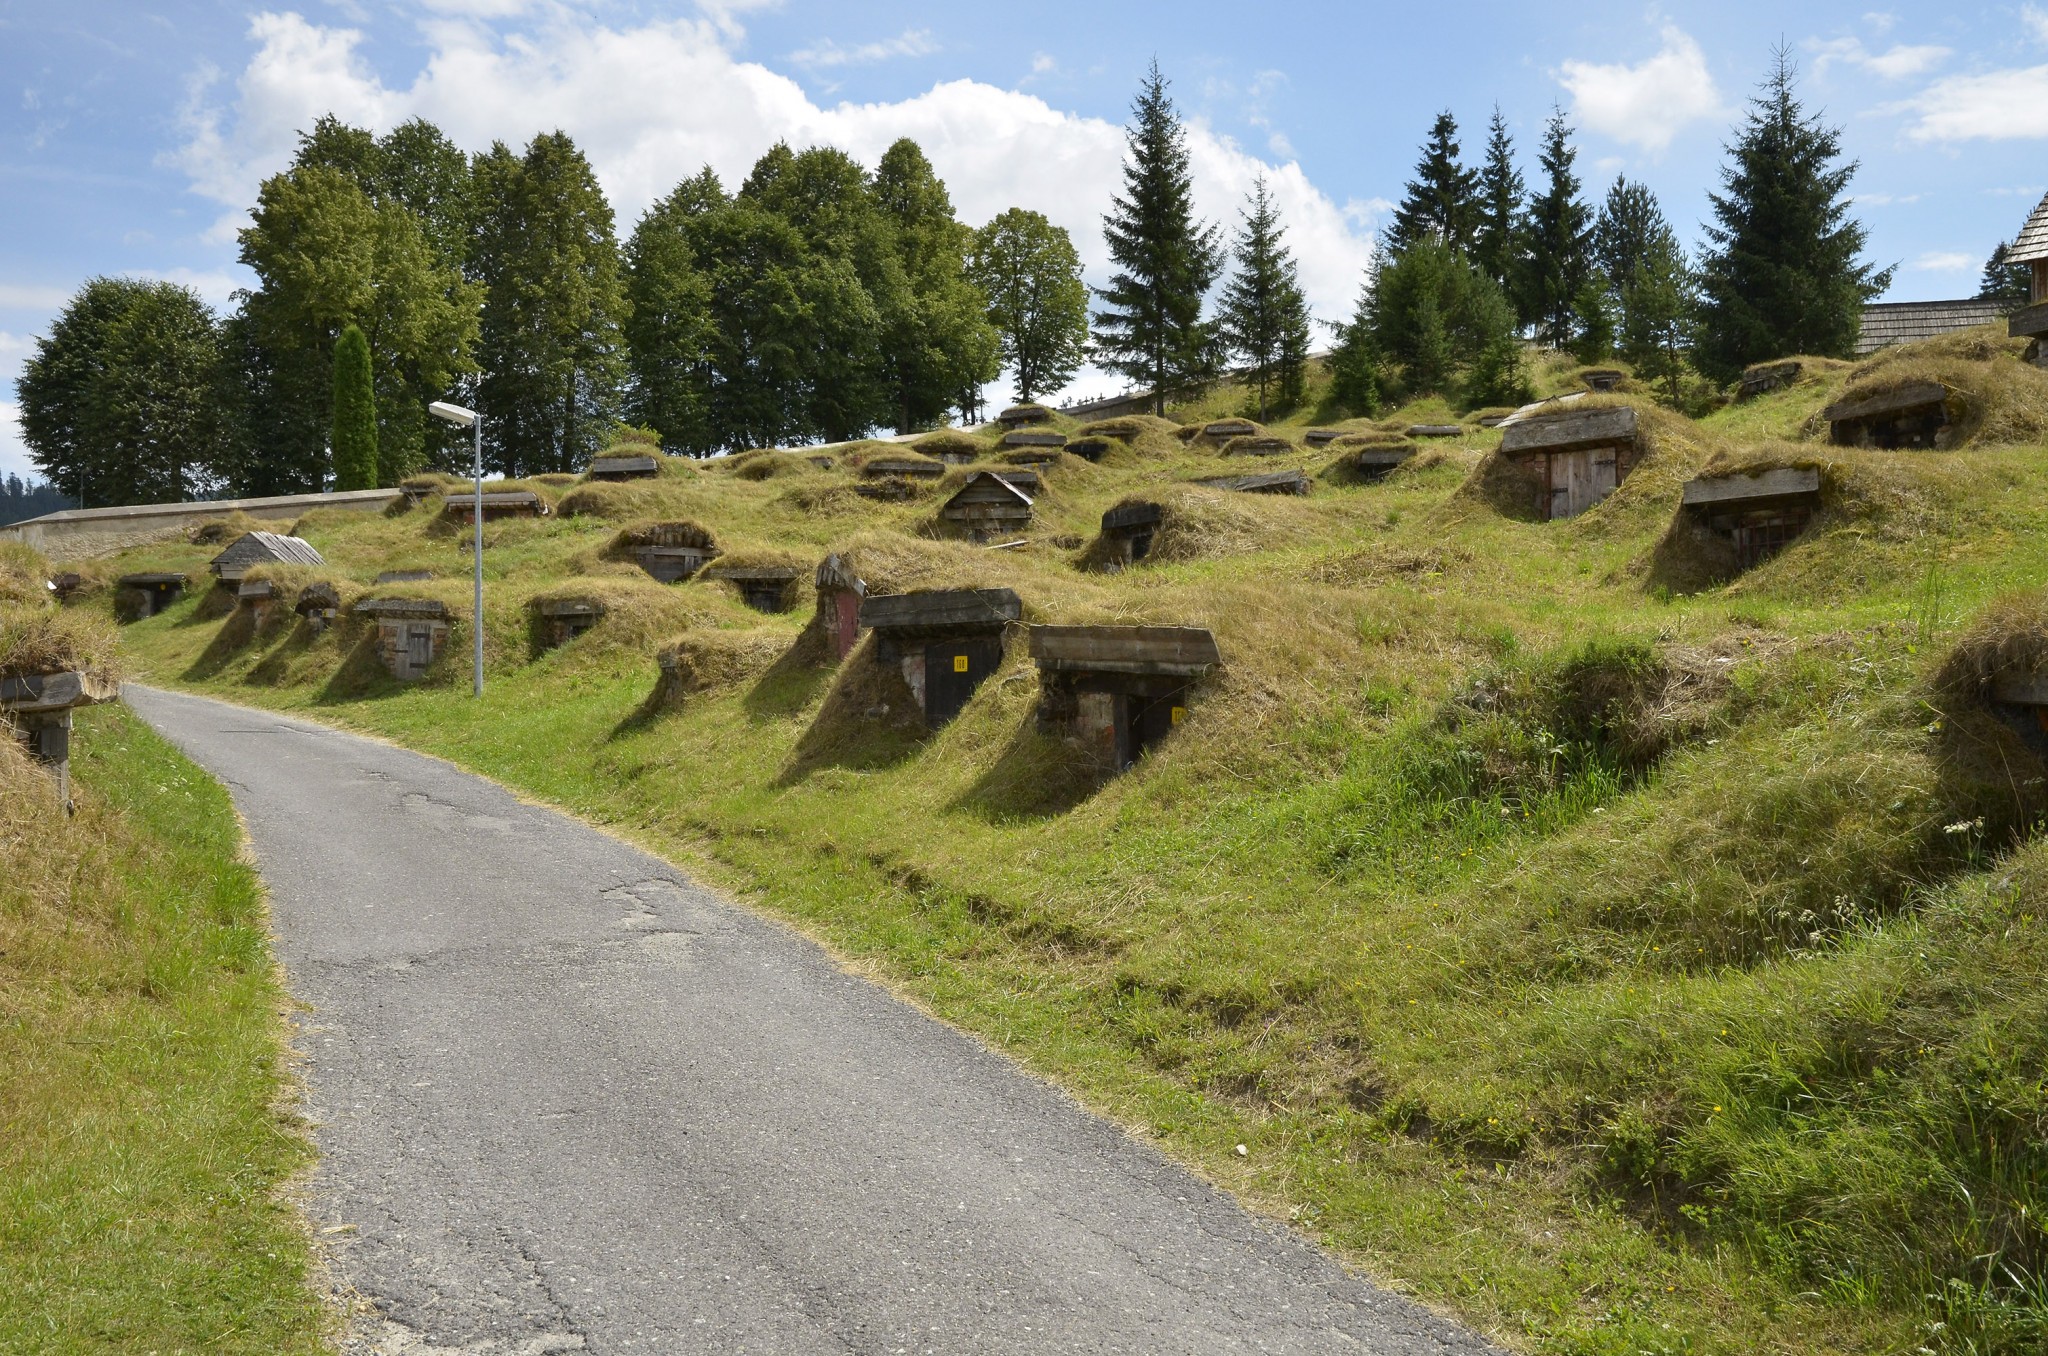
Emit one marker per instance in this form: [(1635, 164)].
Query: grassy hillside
[(144, 1139), (1623, 961)]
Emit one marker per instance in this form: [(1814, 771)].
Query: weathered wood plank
[(1777, 483), (1178, 650), (1914, 395), (1568, 430)]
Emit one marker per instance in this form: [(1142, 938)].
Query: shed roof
[(421, 608), (1913, 395), (1183, 650), (624, 463), (2032, 241), (932, 610), (1568, 430), (150, 577), (1778, 482), (986, 486), (254, 548), (1265, 482), (1901, 322)]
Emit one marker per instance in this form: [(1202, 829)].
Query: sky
[(133, 135)]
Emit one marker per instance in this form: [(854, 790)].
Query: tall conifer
[(1496, 240), (353, 438), (1263, 317), (1781, 273), (1442, 199), (1150, 327), (1560, 230)]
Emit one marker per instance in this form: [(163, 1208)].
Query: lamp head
[(454, 414)]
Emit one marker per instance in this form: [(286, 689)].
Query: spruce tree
[(1781, 273), (353, 439), (1442, 199), (1355, 376), (2008, 284), (1497, 240), (1263, 317), (1031, 274), (1658, 307), (1560, 230), (1163, 261), (1630, 226)]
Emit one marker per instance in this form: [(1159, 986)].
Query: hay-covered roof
[(1902, 322)]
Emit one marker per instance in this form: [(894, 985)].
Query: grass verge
[(145, 1137)]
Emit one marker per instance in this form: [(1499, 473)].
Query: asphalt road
[(569, 1101)]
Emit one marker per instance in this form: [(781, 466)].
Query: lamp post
[(473, 421)]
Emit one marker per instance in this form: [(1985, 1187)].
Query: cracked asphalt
[(567, 1100)]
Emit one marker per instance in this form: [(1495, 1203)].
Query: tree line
[(818, 299)]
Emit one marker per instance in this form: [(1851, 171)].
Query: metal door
[(952, 670)]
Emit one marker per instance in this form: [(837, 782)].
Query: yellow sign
[(959, 663), (1178, 712)]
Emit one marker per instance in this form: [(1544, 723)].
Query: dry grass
[(24, 574), (1995, 398), (38, 638)]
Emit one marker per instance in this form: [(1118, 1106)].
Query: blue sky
[(134, 134)]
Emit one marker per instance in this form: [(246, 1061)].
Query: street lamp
[(473, 421)]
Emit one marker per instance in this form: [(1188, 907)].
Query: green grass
[(146, 1140), (1625, 966)]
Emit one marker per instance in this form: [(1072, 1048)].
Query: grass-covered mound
[(1627, 967), (1994, 398)]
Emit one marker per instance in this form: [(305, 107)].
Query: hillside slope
[(1625, 961)]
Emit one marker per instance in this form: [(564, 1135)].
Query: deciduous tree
[(1031, 274)]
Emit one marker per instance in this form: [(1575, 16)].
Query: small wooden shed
[(411, 633), (39, 707), (1763, 378), (1266, 482), (1602, 378), (2020, 699), (66, 585), (1436, 430), (1032, 438), (1912, 415), (1087, 449), (765, 588), (1116, 691), (154, 590), (624, 466), (1322, 437), (2030, 247), (989, 504), (1264, 445), (946, 642), (561, 620), (904, 468), (262, 548), (1220, 431), (1758, 513), (1577, 456), (1129, 529), (1381, 460), (1017, 416), (256, 596), (840, 594), (318, 603), (670, 552), (497, 505)]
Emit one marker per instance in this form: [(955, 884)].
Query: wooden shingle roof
[(255, 548), (1901, 322), (2032, 241)]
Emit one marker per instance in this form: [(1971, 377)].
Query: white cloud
[(1946, 261), (1885, 199), (2036, 21), (13, 349), (1043, 64), (911, 42), (1649, 103), (215, 286), (28, 297), (1898, 62), (2003, 105), (13, 451), (651, 105)]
